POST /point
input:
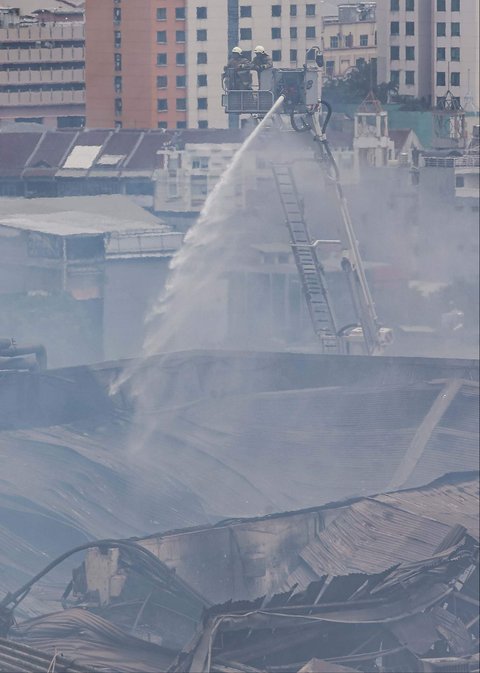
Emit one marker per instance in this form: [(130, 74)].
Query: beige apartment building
[(348, 36), (429, 47), (287, 30), (42, 61)]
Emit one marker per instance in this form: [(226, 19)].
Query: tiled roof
[(33, 154), (399, 137), (49, 153), (145, 156), (15, 151)]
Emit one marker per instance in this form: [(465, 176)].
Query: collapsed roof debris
[(393, 582), (388, 620)]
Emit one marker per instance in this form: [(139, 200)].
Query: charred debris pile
[(385, 583)]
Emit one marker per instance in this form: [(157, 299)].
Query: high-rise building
[(430, 47), (404, 36), (455, 51), (42, 61), (158, 63)]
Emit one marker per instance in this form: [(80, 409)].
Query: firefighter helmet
[(259, 49), (237, 50)]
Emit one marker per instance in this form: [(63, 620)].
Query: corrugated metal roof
[(376, 533), (72, 215), (16, 658)]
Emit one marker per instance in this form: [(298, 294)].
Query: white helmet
[(259, 49), (237, 50)]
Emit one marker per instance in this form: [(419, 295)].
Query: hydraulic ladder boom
[(310, 270)]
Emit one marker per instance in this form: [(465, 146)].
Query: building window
[(293, 10), (201, 12), (117, 39), (201, 57), (293, 33), (455, 79), (180, 58), (330, 68), (161, 14), (181, 125), (455, 29), (117, 14), (410, 5), (276, 33), (200, 162), (410, 77), (203, 124), (202, 103), (409, 53), (441, 53), (441, 79), (441, 29), (245, 33), (276, 10), (334, 42), (201, 35), (394, 53), (162, 82), (455, 5), (310, 32), (394, 5), (441, 5), (409, 28), (394, 28), (364, 40), (180, 13), (181, 104), (245, 11), (395, 77), (162, 104), (202, 80), (179, 36), (277, 55), (118, 84), (198, 186), (181, 81), (118, 62), (162, 125), (310, 10), (459, 181), (455, 54), (161, 59), (293, 55), (161, 37)]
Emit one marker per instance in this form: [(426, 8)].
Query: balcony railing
[(468, 161), (48, 76), (57, 31), (42, 55), (42, 98)]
